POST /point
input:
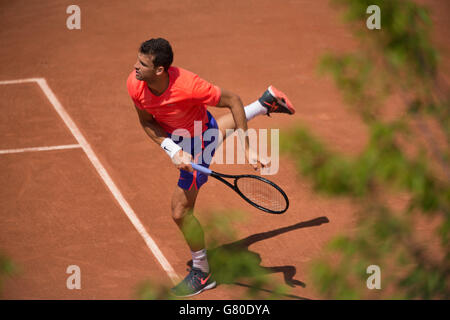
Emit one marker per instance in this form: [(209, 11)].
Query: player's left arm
[(232, 101)]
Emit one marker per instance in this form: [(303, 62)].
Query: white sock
[(254, 109), (199, 260)]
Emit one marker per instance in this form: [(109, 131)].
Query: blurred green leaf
[(398, 61)]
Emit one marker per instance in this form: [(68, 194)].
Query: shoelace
[(191, 279)]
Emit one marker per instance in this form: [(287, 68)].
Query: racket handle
[(200, 168)]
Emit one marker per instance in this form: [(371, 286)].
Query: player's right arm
[(150, 126), (180, 159)]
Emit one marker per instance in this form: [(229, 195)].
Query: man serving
[(169, 100)]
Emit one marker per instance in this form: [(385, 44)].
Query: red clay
[(55, 209)]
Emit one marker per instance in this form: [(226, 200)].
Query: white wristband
[(170, 147)]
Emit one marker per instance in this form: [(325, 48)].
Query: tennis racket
[(259, 192)]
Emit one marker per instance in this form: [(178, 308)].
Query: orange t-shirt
[(183, 102)]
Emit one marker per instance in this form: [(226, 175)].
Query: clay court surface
[(57, 210)]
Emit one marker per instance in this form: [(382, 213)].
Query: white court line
[(102, 172), (20, 81), (32, 149)]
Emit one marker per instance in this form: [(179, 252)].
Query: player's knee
[(179, 211)]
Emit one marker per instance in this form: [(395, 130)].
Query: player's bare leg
[(183, 202), (199, 278)]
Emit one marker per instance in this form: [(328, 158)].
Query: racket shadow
[(225, 273)]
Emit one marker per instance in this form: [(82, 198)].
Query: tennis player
[(168, 98)]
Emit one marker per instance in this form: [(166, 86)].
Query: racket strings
[(262, 193)]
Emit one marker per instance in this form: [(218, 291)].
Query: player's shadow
[(234, 261)]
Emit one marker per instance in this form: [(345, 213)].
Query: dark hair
[(161, 51)]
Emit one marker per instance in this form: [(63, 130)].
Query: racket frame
[(221, 176)]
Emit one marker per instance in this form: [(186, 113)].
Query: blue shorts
[(196, 147)]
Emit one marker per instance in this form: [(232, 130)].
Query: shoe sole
[(208, 287), (278, 94)]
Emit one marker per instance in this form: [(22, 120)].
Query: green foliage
[(232, 263), (398, 60), (149, 290), (7, 269), (404, 35)]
